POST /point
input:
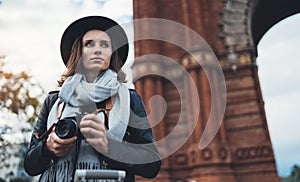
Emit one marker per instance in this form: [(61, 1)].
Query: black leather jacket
[(38, 158)]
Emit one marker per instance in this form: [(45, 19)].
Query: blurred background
[(30, 32)]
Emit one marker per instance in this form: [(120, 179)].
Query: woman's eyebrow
[(88, 40), (105, 41), (102, 40)]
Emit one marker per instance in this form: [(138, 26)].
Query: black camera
[(66, 128)]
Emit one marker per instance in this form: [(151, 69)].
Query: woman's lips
[(97, 59)]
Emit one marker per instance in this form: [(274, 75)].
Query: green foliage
[(295, 175)]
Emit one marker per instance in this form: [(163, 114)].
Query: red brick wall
[(242, 150)]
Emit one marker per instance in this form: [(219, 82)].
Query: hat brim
[(82, 25)]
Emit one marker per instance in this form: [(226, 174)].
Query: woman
[(93, 49)]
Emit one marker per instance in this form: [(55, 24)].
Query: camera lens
[(66, 128)]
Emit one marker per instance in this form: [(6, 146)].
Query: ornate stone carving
[(206, 154), (181, 159), (222, 153), (245, 153)]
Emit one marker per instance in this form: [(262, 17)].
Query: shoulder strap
[(61, 105), (106, 104), (53, 96), (60, 109), (104, 107)]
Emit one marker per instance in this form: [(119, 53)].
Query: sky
[(33, 29), (279, 65), (30, 32)]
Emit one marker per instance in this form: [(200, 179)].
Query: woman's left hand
[(93, 129)]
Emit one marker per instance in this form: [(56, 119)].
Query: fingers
[(94, 131), (92, 125), (58, 146), (92, 117)]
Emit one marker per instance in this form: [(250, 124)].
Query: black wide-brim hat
[(83, 25)]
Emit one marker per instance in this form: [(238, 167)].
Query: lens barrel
[(66, 128)]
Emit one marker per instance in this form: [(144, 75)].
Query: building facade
[(168, 31)]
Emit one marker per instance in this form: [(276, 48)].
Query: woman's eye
[(104, 44), (89, 44)]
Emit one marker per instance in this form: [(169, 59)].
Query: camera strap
[(60, 108)]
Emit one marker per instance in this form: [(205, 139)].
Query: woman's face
[(96, 51)]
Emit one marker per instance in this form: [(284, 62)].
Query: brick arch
[(242, 149), (267, 13)]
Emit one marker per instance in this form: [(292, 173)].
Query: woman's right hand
[(59, 147)]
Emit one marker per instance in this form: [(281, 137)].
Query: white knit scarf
[(81, 97)]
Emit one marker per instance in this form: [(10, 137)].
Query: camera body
[(67, 128)]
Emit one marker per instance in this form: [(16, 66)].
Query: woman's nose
[(98, 49), (98, 52)]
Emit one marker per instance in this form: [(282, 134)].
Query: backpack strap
[(104, 107), (60, 107)]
